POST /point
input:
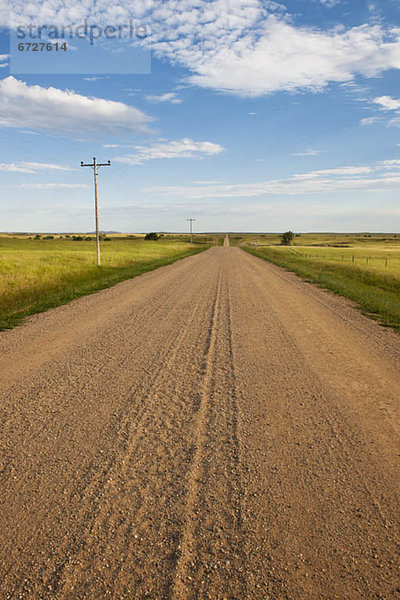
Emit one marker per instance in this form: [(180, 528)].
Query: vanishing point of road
[(216, 429)]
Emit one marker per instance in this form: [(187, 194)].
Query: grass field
[(39, 274), (363, 267)]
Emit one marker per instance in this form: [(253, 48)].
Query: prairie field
[(37, 274), (362, 267)]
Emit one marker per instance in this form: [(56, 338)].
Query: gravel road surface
[(216, 429)]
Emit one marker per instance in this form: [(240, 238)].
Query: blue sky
[(255, 116)]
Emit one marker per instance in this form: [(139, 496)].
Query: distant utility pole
[(95, 166), (191, 221)]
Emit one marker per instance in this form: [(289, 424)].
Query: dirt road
[(216, 429)]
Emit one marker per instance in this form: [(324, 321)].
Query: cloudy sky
[(249, 115)]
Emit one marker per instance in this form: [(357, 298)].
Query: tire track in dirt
[(211, 549), (128, 442), (184, 581)]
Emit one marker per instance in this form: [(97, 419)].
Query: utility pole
[(191, 229), (95, 166)]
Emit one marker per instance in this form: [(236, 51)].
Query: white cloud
[(35, 166), (252, 50), (330, 3), (286, 58), (243, 47), (74, 12), (289, 187), (31, 167), (4, 57), (168, 97), (343, 171), (307, 153), (65, 112), (390, 164), (51, 186), (15, 168), (387, 103), (345, 179), (370, 120), (185, 148)]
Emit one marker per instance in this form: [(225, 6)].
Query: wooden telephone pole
[(191, 221), (95, 166)]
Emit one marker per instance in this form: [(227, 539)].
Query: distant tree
[(286, 238), (151, 236), (37, 237)]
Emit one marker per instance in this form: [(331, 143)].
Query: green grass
[(39, 274), (371, 279)]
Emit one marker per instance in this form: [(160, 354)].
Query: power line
[(95, 166)]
